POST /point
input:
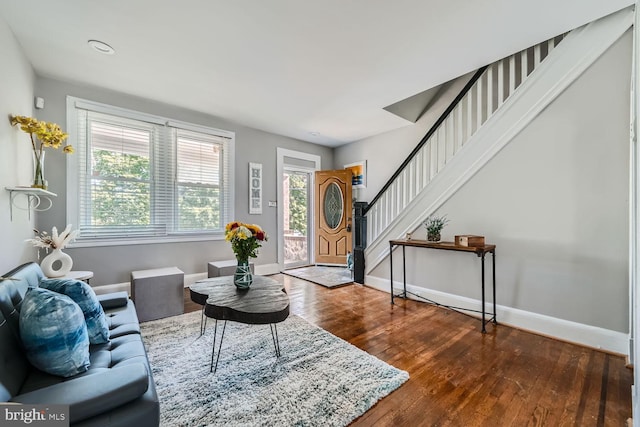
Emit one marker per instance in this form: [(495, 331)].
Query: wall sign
[(359, 170), (255, 188)]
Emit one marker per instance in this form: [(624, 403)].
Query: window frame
[(73, 173)]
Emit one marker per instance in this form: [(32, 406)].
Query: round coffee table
[(265, 302)]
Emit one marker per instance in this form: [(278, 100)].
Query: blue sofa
[(118, 388)]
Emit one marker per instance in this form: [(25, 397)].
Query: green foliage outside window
[(298, 199), (120, 189), (199, 208), (121, 195)]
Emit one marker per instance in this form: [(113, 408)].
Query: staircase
[(497, 103)]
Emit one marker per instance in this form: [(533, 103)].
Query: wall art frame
[(255, 188), (359, 170)]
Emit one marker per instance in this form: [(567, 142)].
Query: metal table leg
[(274, 335), (391, 269), (203, 322), (213, 350), (404, 273), (484, 329), (495, 312)]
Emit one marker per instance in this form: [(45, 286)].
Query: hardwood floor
[(459, 376)]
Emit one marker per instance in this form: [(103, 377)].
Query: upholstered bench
[(226, 268), (158, 292)]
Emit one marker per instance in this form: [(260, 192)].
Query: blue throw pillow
[(83, 295), (54, 333)]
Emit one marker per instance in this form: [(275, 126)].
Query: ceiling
[(319, 71)]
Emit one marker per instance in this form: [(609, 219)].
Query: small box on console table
[(469, 240)]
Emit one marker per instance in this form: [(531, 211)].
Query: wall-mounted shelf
[(35, 198)]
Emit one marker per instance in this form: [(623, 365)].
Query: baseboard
[(565, 330), (115, 287)]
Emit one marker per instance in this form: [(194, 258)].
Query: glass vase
[(38, 171), (243, 277)]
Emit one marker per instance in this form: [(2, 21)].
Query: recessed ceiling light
[(101, 47), (314, 133)]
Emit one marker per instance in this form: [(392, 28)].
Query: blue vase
[(243, 277)]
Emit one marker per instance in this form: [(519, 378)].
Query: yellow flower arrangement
[(49, 134), (245, 239)]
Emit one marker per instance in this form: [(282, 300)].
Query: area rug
[(325, 276), (319, 379)]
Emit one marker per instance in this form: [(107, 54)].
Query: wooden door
[(332, 216)]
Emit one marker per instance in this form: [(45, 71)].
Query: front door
[(332, 216)]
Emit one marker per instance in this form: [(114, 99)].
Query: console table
[(480, 251)]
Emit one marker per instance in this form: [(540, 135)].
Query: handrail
[(428, 135)]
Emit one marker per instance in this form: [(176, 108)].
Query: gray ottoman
[(158, 292), (226, 268)]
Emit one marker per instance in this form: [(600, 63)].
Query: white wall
[(16, 98), (555, 202)]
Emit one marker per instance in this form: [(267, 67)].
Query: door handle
[(349, 228)]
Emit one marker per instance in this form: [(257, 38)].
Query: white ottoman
[(158, 292), (226, 268)]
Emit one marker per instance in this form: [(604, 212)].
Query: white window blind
[(140, 178), (199, 171)]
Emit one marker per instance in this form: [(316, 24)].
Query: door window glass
[(333, 206)]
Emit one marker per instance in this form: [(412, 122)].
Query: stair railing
[(480, 98)]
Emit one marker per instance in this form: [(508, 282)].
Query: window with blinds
[(141, 177)]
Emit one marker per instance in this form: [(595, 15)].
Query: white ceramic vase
[(51, 268)]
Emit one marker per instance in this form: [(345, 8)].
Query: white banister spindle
[(469, 114), (405, 188), (451, 132), (500, 82), (537, 56), (433, 156), (479, 89), (419, 172), (372, 222), (412, 178), (393, 191), (524, 64), (386, 209), (379, 221), (489, 90), (442, 147), (401, 190), (383, 215), (512, 74), (426, 177), (459, 134)]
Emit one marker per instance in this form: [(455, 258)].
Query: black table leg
[(404, 274), (391, 269), (213, 350), (495, 313), (484, 330), (276, 341), (203, 322)]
